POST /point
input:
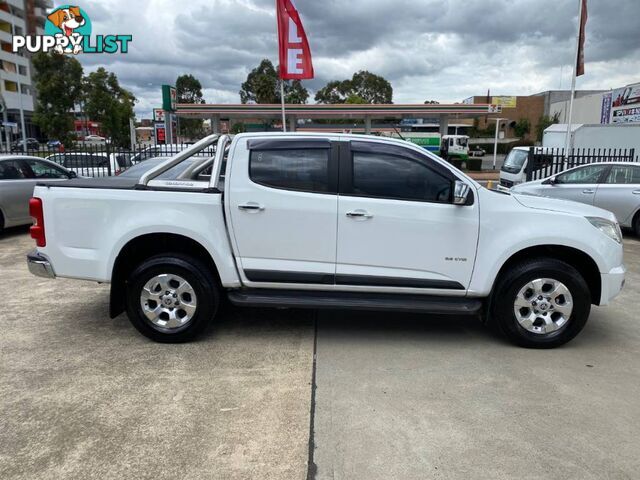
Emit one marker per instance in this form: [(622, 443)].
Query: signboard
[(161, 137), (605, 111), (495, 109), (158, 115), (625, 104), (169, 98), (505, 102)]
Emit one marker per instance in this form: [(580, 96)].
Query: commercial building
[(19, 17)]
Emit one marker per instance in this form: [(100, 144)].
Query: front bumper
[(40, 265), (612, 284)]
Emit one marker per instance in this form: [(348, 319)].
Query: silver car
[(18, 175), (614, 186)]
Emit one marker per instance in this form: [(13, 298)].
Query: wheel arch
[(145, 246), (578, 259)]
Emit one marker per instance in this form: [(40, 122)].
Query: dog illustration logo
[(72, 22)]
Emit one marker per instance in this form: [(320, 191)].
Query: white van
[(514, 168)]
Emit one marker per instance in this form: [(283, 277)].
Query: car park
[(18, 175), (327, 221), (86, 164), (613, 186)]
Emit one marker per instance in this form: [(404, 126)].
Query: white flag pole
[(568, 143), (284, 117)]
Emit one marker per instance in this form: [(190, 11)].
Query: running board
[(273, 298)]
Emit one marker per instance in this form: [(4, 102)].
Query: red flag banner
[(295, 54), (581, 39)]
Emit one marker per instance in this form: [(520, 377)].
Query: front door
[(579, 184), (282, 203), (398, 229)]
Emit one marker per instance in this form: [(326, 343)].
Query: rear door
[(579, 184), (281, 198), (620, 192), (15, 191), (398, 230)]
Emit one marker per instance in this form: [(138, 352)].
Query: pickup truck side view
[(326, 221)]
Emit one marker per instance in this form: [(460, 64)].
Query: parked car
[(18, 175), (54, 143), (32, 144), (94, 139), (327, 221), (92, 164), (614, 186), (477, 152)]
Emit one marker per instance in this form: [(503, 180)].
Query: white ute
[(326, 221)]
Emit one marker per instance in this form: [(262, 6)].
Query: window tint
[(588, 174), (38, 169), (389, 176), (305, 169), (10, 170), (623, 174)]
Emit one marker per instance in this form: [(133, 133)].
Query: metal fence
[(545, 162), (100, 160)]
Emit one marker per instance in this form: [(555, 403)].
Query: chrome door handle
[(359, 214), (636, 192), (251, 207), (588, 191)]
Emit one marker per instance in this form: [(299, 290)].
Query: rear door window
[(623, 175), (305, 170)]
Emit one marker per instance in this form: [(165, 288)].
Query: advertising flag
[(583, 26), (295, 54)]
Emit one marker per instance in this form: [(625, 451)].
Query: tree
[(110, 104), (58, 81), (189, 90), (365, 85), (545, 122), (522, 128), (431, 102), (263, 86)]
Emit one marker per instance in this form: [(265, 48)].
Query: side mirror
[(460, 193), (549, 181), (73, 175)]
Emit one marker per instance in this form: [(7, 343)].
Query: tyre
[(636, 225), (171, 298), (540, 303)]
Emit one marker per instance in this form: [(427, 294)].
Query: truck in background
[(594, 136)]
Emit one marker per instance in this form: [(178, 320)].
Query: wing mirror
[(460, 193), (72, 174), (549, 181)]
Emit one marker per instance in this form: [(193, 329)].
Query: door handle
[(588, 191), (359, 214), (251, 207), (636, 192)]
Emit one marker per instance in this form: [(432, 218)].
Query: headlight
[(610, 229)]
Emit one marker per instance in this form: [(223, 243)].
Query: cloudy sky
[(444, 50)]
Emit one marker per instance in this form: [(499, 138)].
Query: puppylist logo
[(68, 30)]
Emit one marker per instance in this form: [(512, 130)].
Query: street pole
[(22, 125), (5, 121), (495, 142), (284, 118), (567, 141)]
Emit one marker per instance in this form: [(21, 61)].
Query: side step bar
[(273, 298)]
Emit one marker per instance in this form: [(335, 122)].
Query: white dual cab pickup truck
[(326, 221)]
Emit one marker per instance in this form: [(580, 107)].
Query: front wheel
[(171, 298), (541, 303)]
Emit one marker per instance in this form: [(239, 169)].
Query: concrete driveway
[(389, 396)]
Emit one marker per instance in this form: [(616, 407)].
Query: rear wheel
[(541, 303), (171, 298), (636, 224)]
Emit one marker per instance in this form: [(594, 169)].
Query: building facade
[(19, 17)]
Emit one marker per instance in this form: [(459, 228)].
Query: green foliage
[(365, 86), (189, 90), (58, 81), (238, 128), (110, 104), (522, 128), (431, 102), (545, 122), (263, 86)]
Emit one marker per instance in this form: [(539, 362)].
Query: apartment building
[(19, 17)]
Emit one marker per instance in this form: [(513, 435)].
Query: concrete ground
[(394, 396)]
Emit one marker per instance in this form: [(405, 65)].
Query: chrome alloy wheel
[(543, 306), (168, 301)]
